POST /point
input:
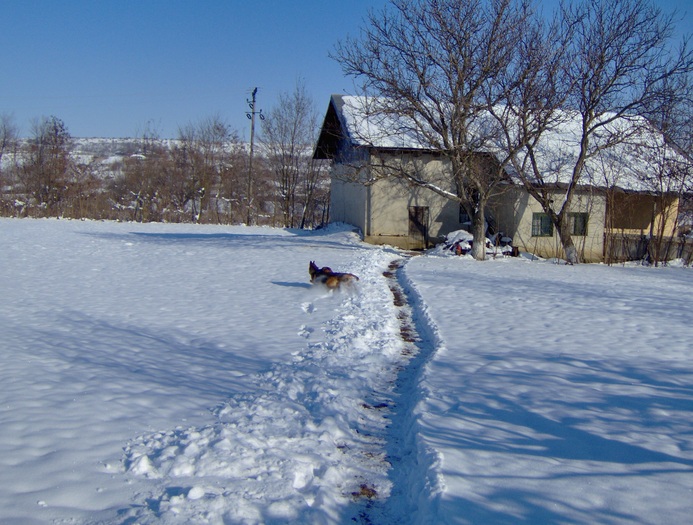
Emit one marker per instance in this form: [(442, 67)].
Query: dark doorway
[(418, 227)]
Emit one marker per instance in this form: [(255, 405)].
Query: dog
[(331, 280)]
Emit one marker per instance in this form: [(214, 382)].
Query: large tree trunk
[(479, 232), (571, 253)]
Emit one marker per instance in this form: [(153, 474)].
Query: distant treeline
[(204, 175)]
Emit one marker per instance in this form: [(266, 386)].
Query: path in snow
[(311, 443), (412, 474)]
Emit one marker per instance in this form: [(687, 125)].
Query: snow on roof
[(629, 163), (366, 125)]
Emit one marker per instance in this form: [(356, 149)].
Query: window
[(541, 225), (578, 223)]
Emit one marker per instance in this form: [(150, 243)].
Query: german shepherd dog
[(331, 280)]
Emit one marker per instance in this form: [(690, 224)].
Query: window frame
[(582, 232), (541, 225)]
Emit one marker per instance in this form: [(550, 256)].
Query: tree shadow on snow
[(185, 365), (582, 439)]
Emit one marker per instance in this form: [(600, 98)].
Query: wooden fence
[(620, 248)]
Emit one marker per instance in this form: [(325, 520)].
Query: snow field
[(182, 374), (559, 394), (127, 348)]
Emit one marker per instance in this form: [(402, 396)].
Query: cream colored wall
[(381, 209), (348, 203), (667, 213), (391, 197), (513, 211), (390, 200), (388, 219)]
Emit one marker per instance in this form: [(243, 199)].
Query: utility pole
[(251, 115)]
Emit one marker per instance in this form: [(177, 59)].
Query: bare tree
[(534, 92), (9, 136), (616, 59), (45, 170), (671, 111), (213, 142), (145, 191), (228, 195), (200, 157), (435, 66), (9, 141), (85, 196), (186, 184), (671, 175), (288, 135)]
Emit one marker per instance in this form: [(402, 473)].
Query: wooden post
[(251, 115)]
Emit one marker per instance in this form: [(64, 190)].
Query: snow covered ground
[(189, 374), (559, 394)]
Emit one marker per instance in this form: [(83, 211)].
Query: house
[(613, 209)]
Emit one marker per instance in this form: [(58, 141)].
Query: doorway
[(418, 227)]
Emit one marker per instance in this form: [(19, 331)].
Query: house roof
[(629, 164), (358, 121)]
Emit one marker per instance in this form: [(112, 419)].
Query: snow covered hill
[(180, 374), (106, 155)]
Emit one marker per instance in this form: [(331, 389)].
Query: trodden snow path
[(310, 443), (415, 467)]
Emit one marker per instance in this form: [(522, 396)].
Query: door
[(418, 227)]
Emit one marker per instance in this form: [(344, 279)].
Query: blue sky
[(112, 68)]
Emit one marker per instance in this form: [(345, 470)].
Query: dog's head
[(313, 270)]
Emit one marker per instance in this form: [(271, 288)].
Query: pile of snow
[(307, 438), (459, 242)]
